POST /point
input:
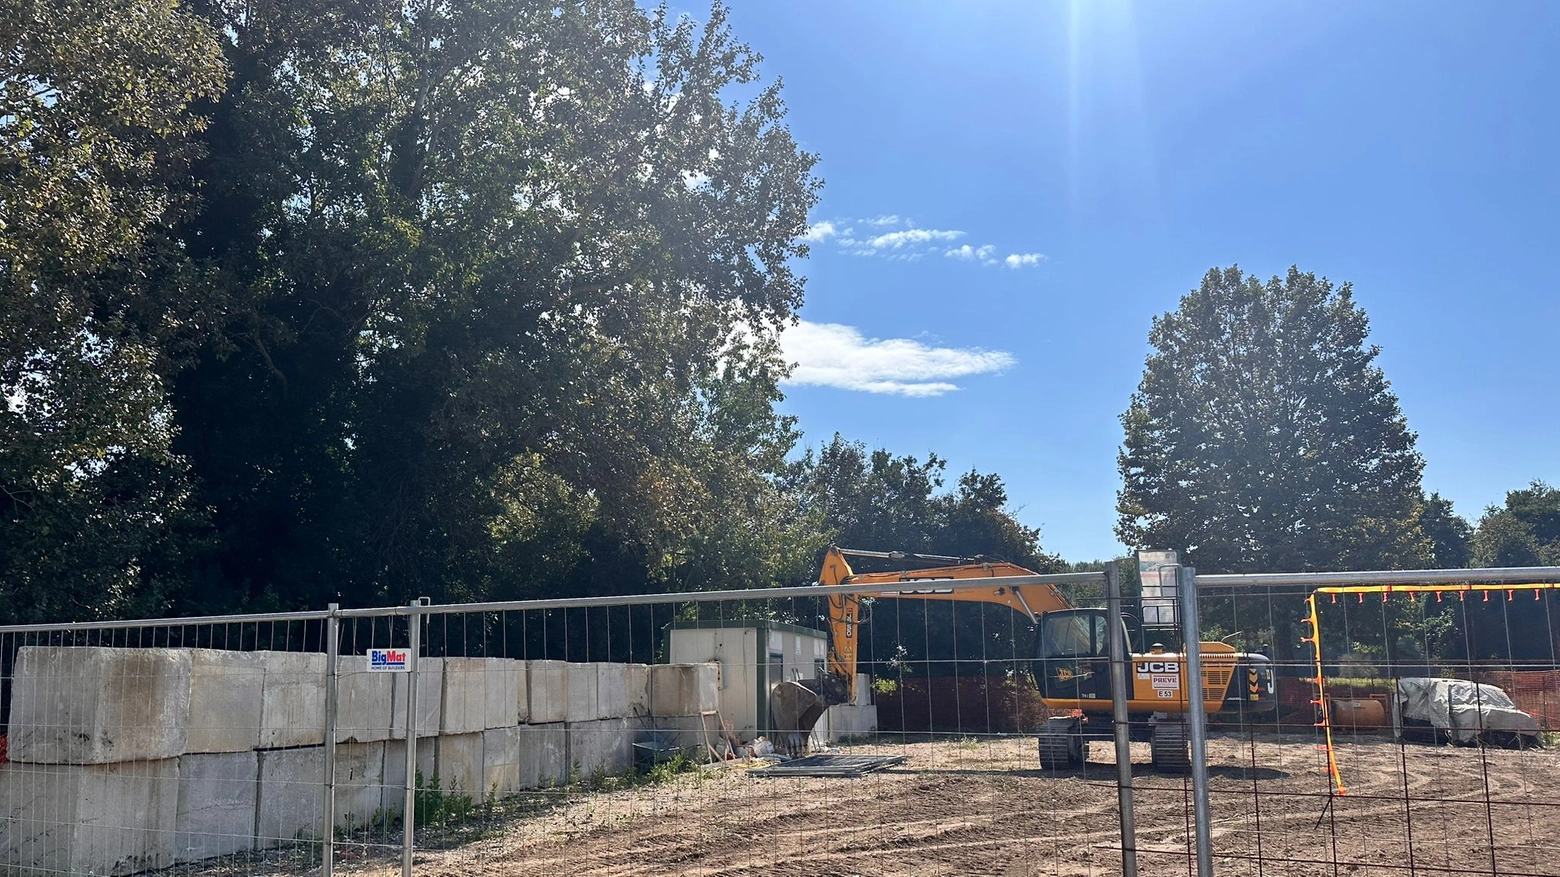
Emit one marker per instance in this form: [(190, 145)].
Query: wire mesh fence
[(976, 732), (1387, 754)]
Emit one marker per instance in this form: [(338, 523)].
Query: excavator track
[(1168, 744), (1062, 746)]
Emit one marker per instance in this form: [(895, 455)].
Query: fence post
[(1196, 718), (409, 817), (328, 811), (1117, 638)]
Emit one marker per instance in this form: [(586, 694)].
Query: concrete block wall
[(226, 693), (678, 695), (216, 804), (126, 760), (109, 819), (84, 705)]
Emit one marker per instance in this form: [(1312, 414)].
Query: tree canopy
[(361, 301), (98, 130), (1263, 436)]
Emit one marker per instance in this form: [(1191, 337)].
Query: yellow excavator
[(1070, 661)]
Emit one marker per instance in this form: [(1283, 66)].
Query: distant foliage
[(878, 501)]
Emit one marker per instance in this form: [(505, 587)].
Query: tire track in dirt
[(985, 811)]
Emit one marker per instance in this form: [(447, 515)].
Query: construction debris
[(848, 766)]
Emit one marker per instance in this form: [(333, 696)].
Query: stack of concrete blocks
[(681, 696), (127, 760), (855, 719), (94, 744)]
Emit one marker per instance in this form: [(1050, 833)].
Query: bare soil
[(982, 807)]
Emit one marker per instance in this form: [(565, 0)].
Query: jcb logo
[(1159, 666)]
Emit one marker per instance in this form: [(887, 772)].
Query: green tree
[(506, 284), (96, 140), (1450, 535), (878, 501), (1538, 508), (1525, 531), (1263, 437)]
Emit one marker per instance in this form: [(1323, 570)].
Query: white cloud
[(834, 355), (969, 254), (819, 231), (893, 237), (895, 240), (695, 179)]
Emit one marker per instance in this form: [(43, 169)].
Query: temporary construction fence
[(627, 734)]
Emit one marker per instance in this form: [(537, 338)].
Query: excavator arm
[(845, 609), (796, 706)]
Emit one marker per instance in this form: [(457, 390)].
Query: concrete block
[(458, 759), (501, 692), (666, 690), (225, 701), (106, 819), (579, 690), (465, 696), (292, 703), (601, 746), (501, 760), (684, 689), (360, 782), (636, 681), (94, 705), (846, 720), (481, 693), (520, 676), (430, 699), (216, 808), (363, 702), (544, 755), (702, 686), (546, 691), (611, 691), (689, 733), (393, 795), (289, 803)]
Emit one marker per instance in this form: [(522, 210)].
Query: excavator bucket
[(795, 707)]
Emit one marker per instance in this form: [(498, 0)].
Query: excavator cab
[(1072, 653)]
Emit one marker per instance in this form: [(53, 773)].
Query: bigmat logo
[(387, 660)]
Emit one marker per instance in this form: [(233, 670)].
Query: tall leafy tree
[(506, 280), (97, 135), (1264, 437)]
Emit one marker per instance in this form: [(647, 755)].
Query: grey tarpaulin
[(1461, 708)]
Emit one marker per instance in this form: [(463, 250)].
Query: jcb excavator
[(1070, 661)]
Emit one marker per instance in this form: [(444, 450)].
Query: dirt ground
[(981, 807)]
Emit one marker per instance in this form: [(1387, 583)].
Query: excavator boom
[(845, 609)]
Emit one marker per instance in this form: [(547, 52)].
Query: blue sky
[(1116, 152)]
